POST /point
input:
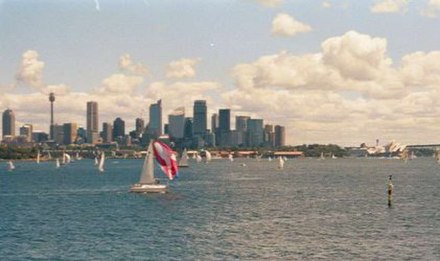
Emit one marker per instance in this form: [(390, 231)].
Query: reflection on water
[(329, 209)]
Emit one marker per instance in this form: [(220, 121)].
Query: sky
[(331, 71)]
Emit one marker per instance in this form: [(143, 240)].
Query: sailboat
[(198, 158), (208, 156), (96, 160), (166, 158), (269, 158), (77, 157), (184, 159), (231, 158), (322, 156), (280, 163), (48, 155), (10, 166), (38, 157), (58, 163), (101, 162)]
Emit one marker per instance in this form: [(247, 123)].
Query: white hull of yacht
[(149, 188)]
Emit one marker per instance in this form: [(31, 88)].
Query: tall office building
[(241, 123), (92, 122), (214, 122), (26, 131), (200, 117), (139, 127), (224, 127), (58, 133), (107, 132), (70, 131), (255, 132), (176, 123), (155, 125), (8, 123), (118, 128), (280, 136), (188, 128), (269, 135)]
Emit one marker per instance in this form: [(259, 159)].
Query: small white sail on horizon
[(184, 159), (49, 156), (208, 156), (101, 162), (321, 157), (68, 158), (269, 158), (280, 163), (198, 158), (10, 166), (231, 157), (57, 163), (96, 160), (38, 157)]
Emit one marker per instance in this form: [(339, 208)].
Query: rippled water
[(330, 209)]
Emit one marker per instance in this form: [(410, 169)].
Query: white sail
[(96, 161), (77, 157), (49, 156), (64, 160), (184, 159), (147, 173), (231, 158), (208, 156), (322, 155), (68, 159), (58, 163), (280, 163), (38, 157), (198, 158), (269, 158), (101, 162), (10, 165)]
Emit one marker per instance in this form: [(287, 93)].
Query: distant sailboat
[(280, 163), (101, 162), (208, 156), (184, 159), (166, 158), (49, 156), (58, 163), (10, 166), (38, 157), (322, 156), (269, 158), (231, 158), (68, 158), (198, 158), (77, 157), (96, 160)]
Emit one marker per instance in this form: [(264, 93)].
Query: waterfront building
[(107, 132), (139, 127), (280, 136), (255, 137), (70, 131), (58, 133), (199, 117), (92, 122), (155, 124), (176, 123), (269, 136), (118, 128), (8, 126), (26, 131), (214, 122)]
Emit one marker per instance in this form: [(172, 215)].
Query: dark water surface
[(329, 209)]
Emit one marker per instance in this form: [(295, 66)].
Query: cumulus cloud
[(286, 25), (270, 3), (30, 71), (126, 64), (183, 68), (326, 4), (390, 6), (120, 84), (432, 10)]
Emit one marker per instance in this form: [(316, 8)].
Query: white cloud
[(271, 3), (126, 64), (30, 71), (286, 25), (120, 84), (432, 10), (326, 4), (390, 6), (183, 68)]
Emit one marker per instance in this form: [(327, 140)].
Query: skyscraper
[(51, 99), (255, 132), (26, 130), (214, 122), (155, 125), (224, 127), (118, 128), (8, 123), (92, 122), (200, 117), (139, 127), (176, 123), (70, 133), (280, 136), (107, 132), (241, 123), (188, 129)]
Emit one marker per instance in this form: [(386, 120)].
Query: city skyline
[(342, 72)]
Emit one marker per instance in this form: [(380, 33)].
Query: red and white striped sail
[(166, 158)]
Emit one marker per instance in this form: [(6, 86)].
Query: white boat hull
[(149, 188)]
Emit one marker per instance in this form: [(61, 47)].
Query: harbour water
[(334, 209)]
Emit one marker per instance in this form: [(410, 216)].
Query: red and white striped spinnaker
[(166, 158)]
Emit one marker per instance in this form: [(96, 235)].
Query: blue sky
[(81, 42)]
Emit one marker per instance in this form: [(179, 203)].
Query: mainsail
[(101, 162), (208, 156), (147, 173), (184, 159), (166, 158), (38, 157), (280, 162)]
